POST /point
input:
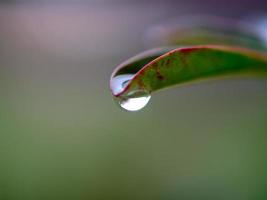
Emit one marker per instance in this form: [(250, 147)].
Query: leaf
[(201, 30), (160, 68)]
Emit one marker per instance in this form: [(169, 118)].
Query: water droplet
[(133, 100)]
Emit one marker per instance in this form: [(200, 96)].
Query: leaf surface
[(160, 68)]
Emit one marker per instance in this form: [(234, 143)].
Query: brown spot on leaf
[(159, 75), (168, 62), (141, 84), (170, 53), (183, 60)]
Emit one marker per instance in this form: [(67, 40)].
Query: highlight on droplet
[(134, 101)]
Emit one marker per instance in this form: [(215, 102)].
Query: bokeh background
[(63, 137)]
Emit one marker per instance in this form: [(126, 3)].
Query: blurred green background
[(63, 137)]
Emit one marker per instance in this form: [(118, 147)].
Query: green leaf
[(160, 68)]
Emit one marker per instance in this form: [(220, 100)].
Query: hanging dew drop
[(133, 100)]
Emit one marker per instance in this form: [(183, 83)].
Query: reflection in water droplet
[(133, 100), (119, 82)]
